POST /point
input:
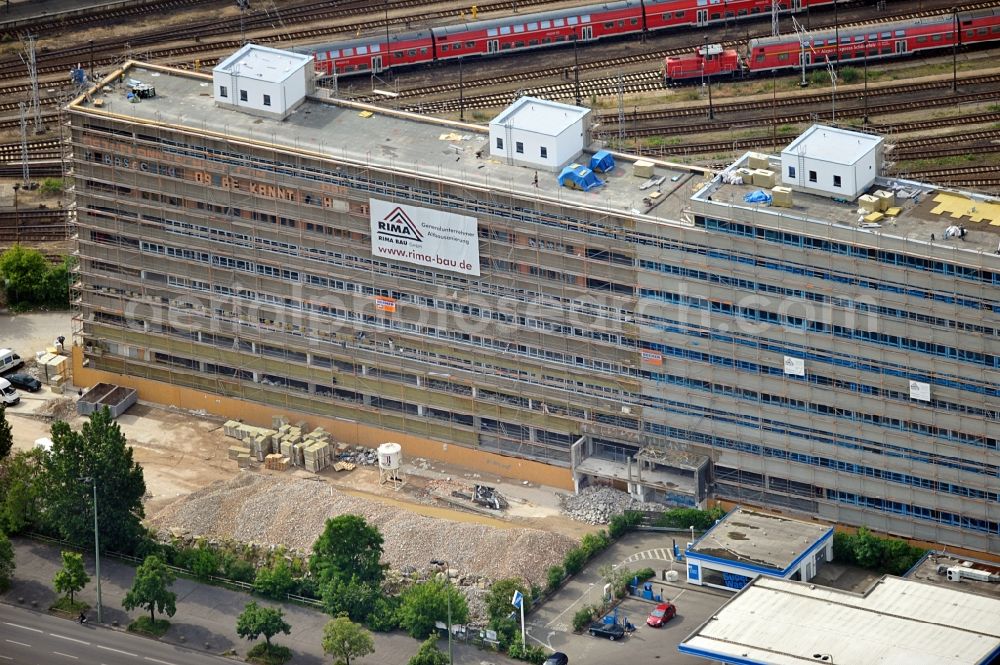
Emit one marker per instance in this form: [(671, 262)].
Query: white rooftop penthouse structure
[(263, 81), (539, 133), (831, 161)]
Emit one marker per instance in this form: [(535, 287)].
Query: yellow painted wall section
[(349, 432)]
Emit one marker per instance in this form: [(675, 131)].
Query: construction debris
[(280, 510), (489, 497), (598, 504)]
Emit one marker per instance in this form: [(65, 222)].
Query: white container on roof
[(539, 133), (832, 162), (261, 80)]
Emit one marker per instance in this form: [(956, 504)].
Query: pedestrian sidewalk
[(206, 615)]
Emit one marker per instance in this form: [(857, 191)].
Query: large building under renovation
[(483, 291)]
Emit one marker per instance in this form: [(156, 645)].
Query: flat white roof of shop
[(758, 539), (896, 622)]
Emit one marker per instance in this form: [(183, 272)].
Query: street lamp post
[(447, 578), (17, 216), (97, 551)]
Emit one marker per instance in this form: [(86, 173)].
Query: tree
[(343, 639), (23, 271), (429, 654), (352, 597), (72, 577), (348, 548), (98, 452), (423, 604), (21, 490), (6, 438), (867, 548), (256, 621), (149, 589), (498, 600), (6, 561)]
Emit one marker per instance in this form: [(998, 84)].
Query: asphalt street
[(205, 622), (35, 638)]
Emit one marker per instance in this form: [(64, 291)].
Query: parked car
[(9, 361), (24, 382), (663, 613), (612, 631), (558, 658), (8, 395)]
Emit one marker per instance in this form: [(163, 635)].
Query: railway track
[(10, 152), (102, 14), (612, 63), (59, 60), (36, 169), (34, 225)]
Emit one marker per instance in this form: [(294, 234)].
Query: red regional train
[(375, 54), (891, 40)]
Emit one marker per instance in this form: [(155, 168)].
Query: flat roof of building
[(444, 150), (395, 141), (832, 144), (540, 116), (927, 571), (924, 214), (896, 621), (263, 63), (751, 538)]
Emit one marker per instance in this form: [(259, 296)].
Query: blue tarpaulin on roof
[(602, 161), (759, 196), (578, 176)]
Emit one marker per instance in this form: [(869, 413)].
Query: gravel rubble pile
[(598, 504), (271, 510)]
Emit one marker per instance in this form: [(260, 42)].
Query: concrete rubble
[(277, 510), (597, 504)]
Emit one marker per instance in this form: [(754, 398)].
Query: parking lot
[(551, 624)]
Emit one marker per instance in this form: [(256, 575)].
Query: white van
[(9, 361), (8, 395)]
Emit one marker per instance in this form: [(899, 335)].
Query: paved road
[(34, 637), (205, 618)]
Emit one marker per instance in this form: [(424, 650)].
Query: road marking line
[(60, 653), (17, 625), (163, 662), (116, 650), (19, 643), (71, 639), (6, 657)]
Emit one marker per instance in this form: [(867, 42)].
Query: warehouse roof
[(897, 621), (758, 540)]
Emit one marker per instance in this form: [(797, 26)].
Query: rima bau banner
[(426, 237)]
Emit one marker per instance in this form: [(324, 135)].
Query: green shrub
[(685, 518), (645, 574), (52, 186), (264, 654), (554, 577), (574, 560), (883, 555), (235, 568), (583, 618), (623, 523), (275, 581), (203, 562), (146, 626), (593, 543), (531, 654), (383, 617), (848, 75)]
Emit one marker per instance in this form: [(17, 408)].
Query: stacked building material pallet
[(276, 462), (257, 441), (236, 451)]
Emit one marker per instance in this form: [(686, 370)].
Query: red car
[(663, 613)]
